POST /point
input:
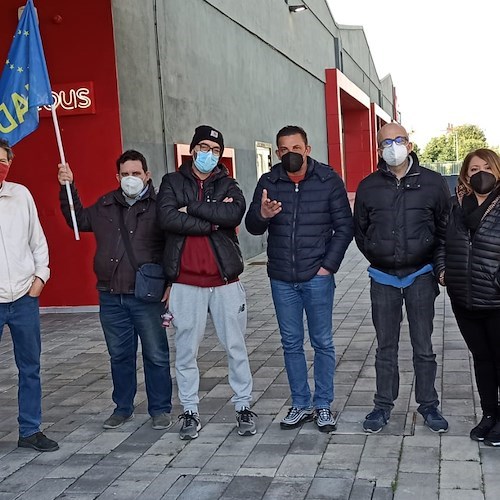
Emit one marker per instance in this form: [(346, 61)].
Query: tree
[(438, 149), (462, 140)]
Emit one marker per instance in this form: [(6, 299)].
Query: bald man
[(397, 212)]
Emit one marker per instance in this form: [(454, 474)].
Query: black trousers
[(481, 332)]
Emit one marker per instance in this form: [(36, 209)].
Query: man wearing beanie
[(199, 208)]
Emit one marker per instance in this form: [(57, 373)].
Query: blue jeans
[(316, 298), (124, 320), (23, 318), (387, 314)]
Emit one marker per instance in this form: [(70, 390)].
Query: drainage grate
[(257, 263)]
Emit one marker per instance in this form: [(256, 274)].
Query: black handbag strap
[(126, 241)]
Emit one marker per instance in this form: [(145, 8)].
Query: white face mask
[(131, 185), (395, 154)]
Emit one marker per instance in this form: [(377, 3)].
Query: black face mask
[(292, 162), (483, 182)]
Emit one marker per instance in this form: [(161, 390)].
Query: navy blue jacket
[(314, 227)]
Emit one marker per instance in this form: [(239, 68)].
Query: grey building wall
[(140, 90), (359, 67), (387, 95), (245, 67)]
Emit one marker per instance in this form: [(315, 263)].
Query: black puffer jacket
[(314, 227), (472, 266), (396, 221), (112, 266), (207, 215)]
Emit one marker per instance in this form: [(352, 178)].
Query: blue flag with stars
[(24, 84)]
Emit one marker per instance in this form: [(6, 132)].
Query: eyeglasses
[(206, 148), (398, 140)]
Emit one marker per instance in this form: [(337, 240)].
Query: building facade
[(128, 74)]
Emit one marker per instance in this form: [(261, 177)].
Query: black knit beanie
[(205, 132)]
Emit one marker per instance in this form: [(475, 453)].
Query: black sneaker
[(115, 421), (493, 437), (434, 420), (38, 441), (326, 420), (246, 423), (483, 428), (163, 421), (191, 424), (376, 420), (296, 417)]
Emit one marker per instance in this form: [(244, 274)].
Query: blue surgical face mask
[(205, 162)]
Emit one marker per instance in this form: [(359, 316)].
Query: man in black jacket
[(199, 208), (304, 207), (397, 213), (125, 318)]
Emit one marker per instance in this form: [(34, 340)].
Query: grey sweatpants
[(227, 305)]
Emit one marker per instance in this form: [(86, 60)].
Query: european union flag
[(24, 84)]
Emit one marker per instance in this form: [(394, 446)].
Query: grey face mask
[(131, 186), (395, 154)]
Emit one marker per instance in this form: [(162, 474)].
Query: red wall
[(350, 129), (78, 48), (357, 140), (334, 123)]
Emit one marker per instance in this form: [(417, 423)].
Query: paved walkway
[(404, 461)]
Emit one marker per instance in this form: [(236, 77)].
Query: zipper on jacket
[(216, 256), (200, 191), (294, 225), (469, 272), (200, 198)]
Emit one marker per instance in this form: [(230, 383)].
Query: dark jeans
[(23, 318), (387, 314), (481, 332), (124, 320)]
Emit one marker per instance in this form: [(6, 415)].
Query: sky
[(443, 56)]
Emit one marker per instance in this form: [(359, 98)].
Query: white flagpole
[(63, 161)]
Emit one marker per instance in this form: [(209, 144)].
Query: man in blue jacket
[(304, 207)]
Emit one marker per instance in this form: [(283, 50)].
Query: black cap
[(205, 132)]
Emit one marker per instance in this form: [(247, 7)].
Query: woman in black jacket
[(468, 263)]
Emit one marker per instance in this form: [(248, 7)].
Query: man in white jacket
[(24, 260)]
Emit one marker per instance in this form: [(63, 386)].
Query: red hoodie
[(198, 264)]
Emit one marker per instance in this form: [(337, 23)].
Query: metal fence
[(444, 168)]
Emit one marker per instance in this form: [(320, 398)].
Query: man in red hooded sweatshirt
[(199, 208)]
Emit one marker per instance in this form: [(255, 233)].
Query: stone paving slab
[(404, 461)]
